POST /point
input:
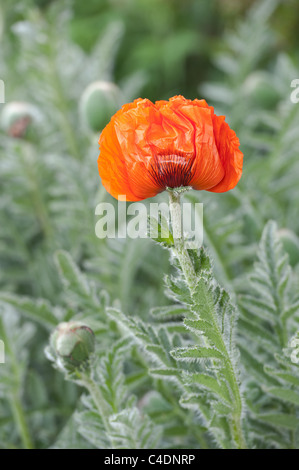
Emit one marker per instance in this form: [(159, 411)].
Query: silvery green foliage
[(49, 183), (257, 105), (128, 427), (269, 317), (198, 355), (168, 380), (181, 356)]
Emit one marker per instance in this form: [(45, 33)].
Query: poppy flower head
[(147, 148)]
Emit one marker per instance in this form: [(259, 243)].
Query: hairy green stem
[(178, 236), (191, 279), (20, 420), (96, 394)]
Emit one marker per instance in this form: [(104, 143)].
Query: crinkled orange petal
[(208, 169), (111, 163), (231, 157), (147, 147)]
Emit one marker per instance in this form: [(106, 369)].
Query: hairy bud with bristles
[(72, 343)]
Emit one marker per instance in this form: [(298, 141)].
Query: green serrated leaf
[(203, 328), (286, 376), (39, 310), (168, 312), (288, 396), (159, 231), (280, 420), (169, 372), (196, 353), (212, 384), (71, 275)]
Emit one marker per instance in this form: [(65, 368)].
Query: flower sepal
[(160, 231)]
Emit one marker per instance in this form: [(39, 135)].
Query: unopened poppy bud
[(99, 102), (18, 118), (73, 343)]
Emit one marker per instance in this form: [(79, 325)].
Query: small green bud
[(72, 343), (18, 119), (99, 102)]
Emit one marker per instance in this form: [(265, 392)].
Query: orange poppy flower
[(149, 147)]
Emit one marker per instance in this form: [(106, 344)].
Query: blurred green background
[(240, 56), (172, 43)]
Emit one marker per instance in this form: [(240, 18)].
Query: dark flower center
[(173, 170)]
